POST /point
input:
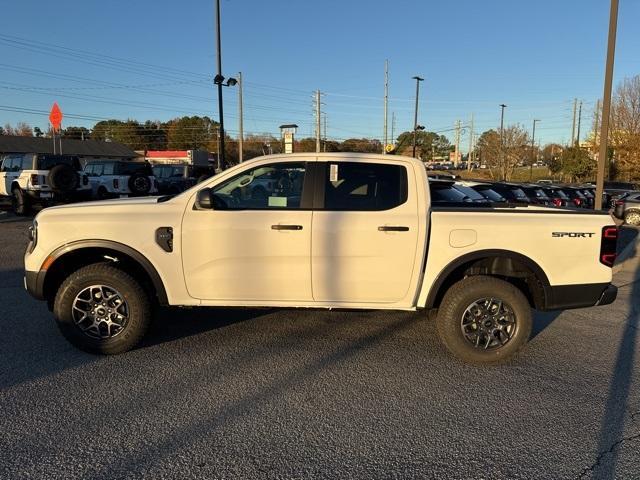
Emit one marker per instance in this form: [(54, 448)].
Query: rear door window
[(356, 186), (446, 193)]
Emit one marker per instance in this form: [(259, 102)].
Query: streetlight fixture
[(218, 80), (415, 116), (533, 147)]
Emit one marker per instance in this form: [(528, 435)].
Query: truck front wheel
[(484, 320), (101, 309)]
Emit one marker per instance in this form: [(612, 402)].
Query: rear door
[(364, 232)]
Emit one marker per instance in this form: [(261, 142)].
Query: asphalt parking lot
[(315, 394)]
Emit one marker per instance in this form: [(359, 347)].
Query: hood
[(108, 203)]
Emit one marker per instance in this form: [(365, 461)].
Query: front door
[(254, 245), (365, 235)]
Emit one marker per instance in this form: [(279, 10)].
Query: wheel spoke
[(100, 311), (488, 323)]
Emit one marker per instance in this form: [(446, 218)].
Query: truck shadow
[(611, 436)]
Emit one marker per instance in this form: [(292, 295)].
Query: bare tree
[(21, 130), (625, 128), (503, 157)]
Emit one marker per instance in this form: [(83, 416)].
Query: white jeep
[(116, 178), (42, 178)]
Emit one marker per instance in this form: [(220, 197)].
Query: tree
[(362, 145), (38, 132), (428, 145), (127, 133), (76, 133), (186, 133), (20, 130), (552, 156), (577, 163), (625, 128), (502, 159)]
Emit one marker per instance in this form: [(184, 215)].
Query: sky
[(154, 60)]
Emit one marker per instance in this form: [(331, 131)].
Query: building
[(86, 150), (189, 157)]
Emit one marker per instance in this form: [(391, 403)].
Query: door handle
[(391, 228), (286, 227)]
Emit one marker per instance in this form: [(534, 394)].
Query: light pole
[(415, 115), (218, 79), (502, 107), (606, 103), (533, 148)]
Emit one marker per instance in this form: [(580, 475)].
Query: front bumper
[(563, 297), (34, 283)]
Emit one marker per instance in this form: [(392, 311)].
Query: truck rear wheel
[(484, 320), (101, 309)]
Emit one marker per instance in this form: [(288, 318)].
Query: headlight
[(33, 236)]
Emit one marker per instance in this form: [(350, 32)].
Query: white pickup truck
[(353, 231)]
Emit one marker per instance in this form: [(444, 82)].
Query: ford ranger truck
[(345, 230)]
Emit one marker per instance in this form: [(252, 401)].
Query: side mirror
[(204, 199)]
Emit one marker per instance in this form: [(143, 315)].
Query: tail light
[(116, 183), (619, 202), (608, 245), (577, 202), (35, 180), (557, 202)]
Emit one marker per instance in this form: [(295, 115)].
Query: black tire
[(20, 203), (454, 312), (63, 178), (139, 184), (102, 193), (136, 301)]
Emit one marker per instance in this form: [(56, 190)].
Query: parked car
[(176, 178), (627, 208), (614, 190), (359, 231), (43, 179), (557, 196), (117, 178), (576, 196), (470, 193), (444, 191), (485, 190), (511, 191), (536, 195)]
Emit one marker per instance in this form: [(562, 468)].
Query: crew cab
[(342, 230)]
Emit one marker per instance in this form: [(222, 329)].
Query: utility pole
[(221, 164), (533, 148), (469, 155), (318, 131), (502, 107), (386, 104), (324, 143), (573, 126), (597, 125), (393, 127), (240, 132), (457, 153), (415, 115), (579, 123), (606, 102)]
